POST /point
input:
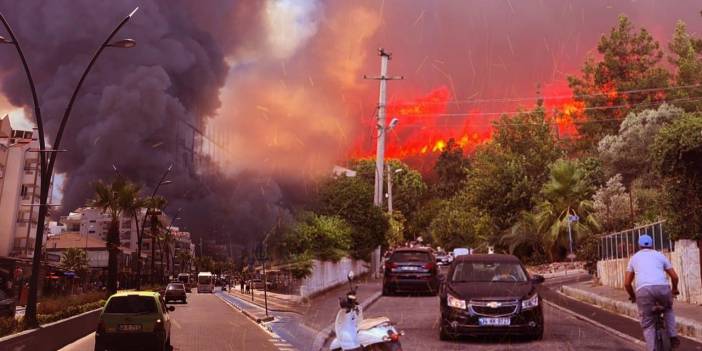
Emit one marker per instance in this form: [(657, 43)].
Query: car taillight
[(429, 266), (101, 327), (159, 326), (390, 265)]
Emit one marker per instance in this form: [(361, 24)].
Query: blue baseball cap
[(645, 241)]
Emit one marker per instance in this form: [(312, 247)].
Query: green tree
[(327, 238), (627, 152), (184, 258), (451, 169), (351, 198), (506, 173), (408, 188), (686, 58), (611, 205), (459, 226), (155, 206), (114, 198), (526, 238), (417, 225), (629, 61), (566, 193), (75, 260), (677, 157), (396, 228)]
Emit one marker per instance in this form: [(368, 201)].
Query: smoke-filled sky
[(280, 82)]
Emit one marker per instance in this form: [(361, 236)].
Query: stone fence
[(686, 262)]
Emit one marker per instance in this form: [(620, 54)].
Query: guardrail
[(625, 243)]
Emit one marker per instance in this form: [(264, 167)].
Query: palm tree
[(566, 193), (525, 234), (184, 258), (154, 207), (113, 198)]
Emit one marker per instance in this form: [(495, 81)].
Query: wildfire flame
[(424, 127)]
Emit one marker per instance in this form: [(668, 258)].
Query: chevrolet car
[(490, 295)]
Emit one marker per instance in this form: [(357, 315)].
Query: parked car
[(490, 295), (7, 305), (134, 320), (442, 258), (176, 292), (460, 251), (411, 269)]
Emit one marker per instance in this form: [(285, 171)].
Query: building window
[(24, 191), (91, 232)]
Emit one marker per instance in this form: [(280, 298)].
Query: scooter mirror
[(350, 276)]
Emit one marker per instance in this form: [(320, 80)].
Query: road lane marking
[(176, 324), (595, 323)]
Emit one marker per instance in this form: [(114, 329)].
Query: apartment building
[(20, 181)]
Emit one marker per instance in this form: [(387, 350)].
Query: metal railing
[(625, 243)]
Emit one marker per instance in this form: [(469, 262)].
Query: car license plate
[(494, 321), (129, 327), (410, 268)]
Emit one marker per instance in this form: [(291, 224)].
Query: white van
[(459, 251)]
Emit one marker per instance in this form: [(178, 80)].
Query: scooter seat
[(372, 323)]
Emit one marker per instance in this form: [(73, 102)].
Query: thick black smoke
[(134, 99)]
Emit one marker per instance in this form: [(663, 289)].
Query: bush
[(10, 325), (52, 305)]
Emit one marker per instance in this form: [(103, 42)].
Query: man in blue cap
[(649, 267)]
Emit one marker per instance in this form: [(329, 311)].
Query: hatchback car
[(411, 269), (175, 292), (490, 295), (134, 320)]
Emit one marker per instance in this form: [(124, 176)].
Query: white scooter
[(355, 333)]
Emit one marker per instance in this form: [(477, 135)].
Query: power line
[(499, 113), (556, 97)]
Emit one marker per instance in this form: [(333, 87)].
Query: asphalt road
[(208, 323), (418, 317)]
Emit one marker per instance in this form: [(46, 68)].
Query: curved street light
[(48, 167)]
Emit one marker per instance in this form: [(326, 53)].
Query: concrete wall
[(326, 274), (685, 260), (53, 336)]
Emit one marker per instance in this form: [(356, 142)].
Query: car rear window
[(176, 287), (131, 304), (410, 256)]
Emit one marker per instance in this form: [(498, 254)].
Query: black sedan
[(490, 295), (175, 292), (411, 269)]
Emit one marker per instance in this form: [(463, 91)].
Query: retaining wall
[(53, 336), (327, 274)]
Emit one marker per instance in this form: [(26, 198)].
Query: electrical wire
[(556, 97)]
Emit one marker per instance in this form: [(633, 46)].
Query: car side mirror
[(537, 278), (171, 308)]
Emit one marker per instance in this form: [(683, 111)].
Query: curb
[(686, 327), (262, 305), (328, 332), (597, 324), (248, 314)]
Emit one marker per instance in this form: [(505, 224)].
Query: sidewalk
[(688, 316)]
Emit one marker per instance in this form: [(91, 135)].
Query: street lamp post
[(571, 218), (390, 176), (47, 166), (140, 239)]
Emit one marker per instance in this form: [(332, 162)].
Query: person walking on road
[(649, 268)]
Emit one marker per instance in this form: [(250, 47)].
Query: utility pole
[(391, 173), (380, 143)]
